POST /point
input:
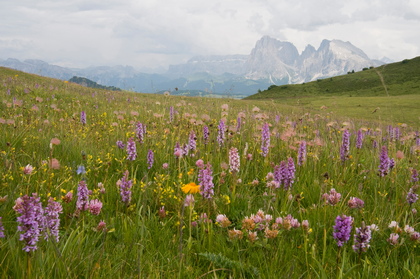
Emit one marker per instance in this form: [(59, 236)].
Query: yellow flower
[(191, 188), (226, 199)]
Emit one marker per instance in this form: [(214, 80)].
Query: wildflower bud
[(223, 221), (204, 219), (28, 169), (305, 225), (252, 236), (235, 234), (18, 204), (162, 212), (408, 229), (55, 141), (393, 239), (101, 188), (270, 233), (178, 153), (2, 235), (68, 197), (101, 226), (355, 203), (411, 196), (415, 236), (120, 144), (189, 200), (199, 163)]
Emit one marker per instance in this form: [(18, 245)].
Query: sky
[(151, 34)]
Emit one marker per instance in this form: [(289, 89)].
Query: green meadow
[(303, 184)]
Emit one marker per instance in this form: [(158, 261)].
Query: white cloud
[(158, 33)]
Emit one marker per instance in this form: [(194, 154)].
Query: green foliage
[(89, 83)]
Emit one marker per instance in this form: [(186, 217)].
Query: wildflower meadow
[(97, 184)]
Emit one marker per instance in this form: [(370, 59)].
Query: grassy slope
[(139, 244), (360, 95)]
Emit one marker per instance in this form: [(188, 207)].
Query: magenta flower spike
[(82, 203), (342, 229), (265, 140), (345, 146), (362, 239), (31, 220), (52, 219), (150, 159), (205, 178), (131, 150), (234, 160)]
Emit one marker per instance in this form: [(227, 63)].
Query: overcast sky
[(152, 33)]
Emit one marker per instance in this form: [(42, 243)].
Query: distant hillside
[(89, 83), (401, 78), (270, 62)]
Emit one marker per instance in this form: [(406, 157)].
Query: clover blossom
[(223, 221), (332, 198), (393, 239), (355, 203), (95, 207), (28, 169), (178, 151), (101, 226)]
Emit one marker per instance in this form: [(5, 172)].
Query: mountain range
[(270, 62)]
